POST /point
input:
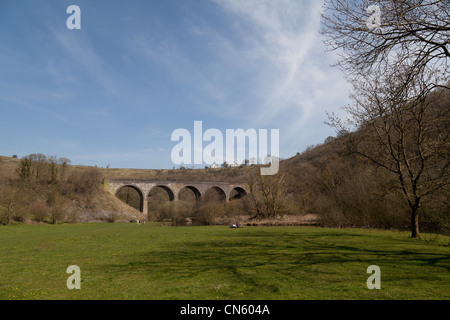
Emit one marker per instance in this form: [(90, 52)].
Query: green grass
[(128, 261)]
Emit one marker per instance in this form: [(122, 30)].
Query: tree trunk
[(415, 223)]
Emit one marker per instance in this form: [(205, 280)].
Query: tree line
[(398, 73), (46, 188)]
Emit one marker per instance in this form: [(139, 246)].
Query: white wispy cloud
[(294, 80), (267, 69), (284, 34)]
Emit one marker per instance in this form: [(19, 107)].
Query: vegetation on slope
[(40, 189)]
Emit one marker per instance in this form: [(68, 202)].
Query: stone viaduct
[(173, 189)]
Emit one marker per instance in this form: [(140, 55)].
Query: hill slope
[(30, 199)]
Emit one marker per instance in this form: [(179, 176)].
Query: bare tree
[(33, 167), (9, 200), (24, 168), (266, 198), (39, 168), (64, 163), (413, 33), (395, 67), (408, 138), (58, 206), (53, 164)]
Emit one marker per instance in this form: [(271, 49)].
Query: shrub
[(176, 212), (73, 215), (205, 214), (4, 216), (39, 211), (58, 206), (20, 214), (85, 182)]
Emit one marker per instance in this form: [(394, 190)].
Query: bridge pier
[(145, 205)]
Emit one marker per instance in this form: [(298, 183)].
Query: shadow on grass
[(261, 260)]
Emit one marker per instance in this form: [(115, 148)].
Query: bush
[(39, 211), (58, 207), (205, 214), (176, 212), (73, 215), (20, 214), (4, 216), (85, 182)]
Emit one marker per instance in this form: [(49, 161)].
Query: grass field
[(129, 261)]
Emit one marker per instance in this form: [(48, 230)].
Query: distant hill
[(8, 166), (99, 205), (327, 181)]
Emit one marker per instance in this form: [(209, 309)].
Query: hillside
[(81, 200), (376, 176), (32, 199), (227, 174), (8, 166), (329, 181)]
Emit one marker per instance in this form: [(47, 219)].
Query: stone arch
[(196, 192), (237, 193), (137, 189), (222, 196), (169, 191)]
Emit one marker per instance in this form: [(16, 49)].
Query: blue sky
[(113, 92)]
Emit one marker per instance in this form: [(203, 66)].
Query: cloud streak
[(161, 65), (266, 69), (287, 46)]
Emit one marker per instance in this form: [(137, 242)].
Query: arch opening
[(189, 193), (237, 193), (215, 194), (132, 196), (159, 203), (161, 193)]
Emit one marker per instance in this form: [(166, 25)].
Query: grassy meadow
[(129, 261)]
